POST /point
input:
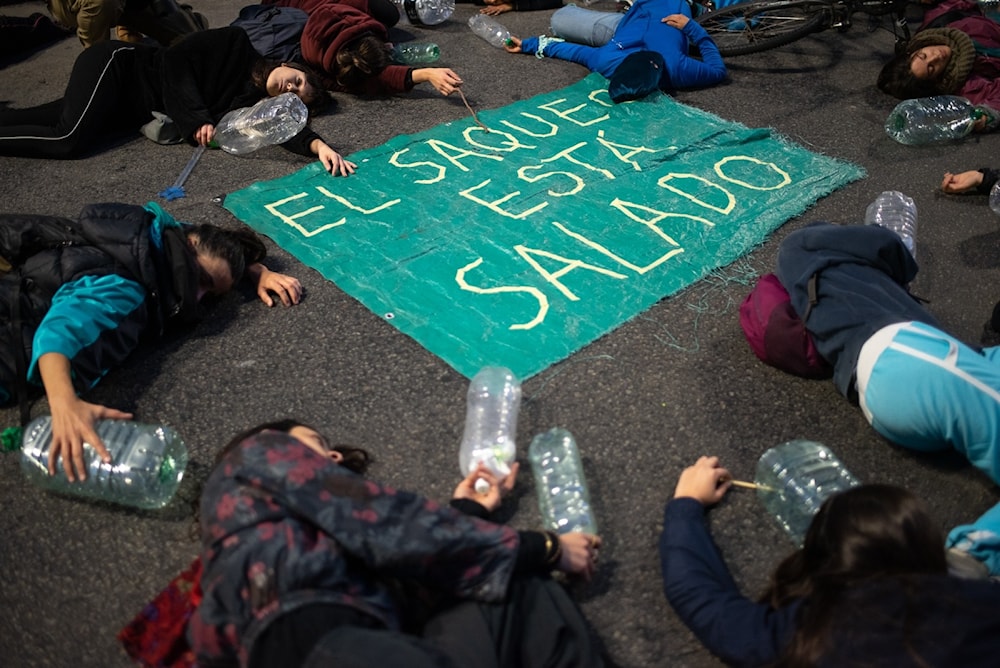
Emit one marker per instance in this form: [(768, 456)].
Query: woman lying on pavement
[(869, 586), (308, 563), (115, 87), (347, 42), (78, 296)]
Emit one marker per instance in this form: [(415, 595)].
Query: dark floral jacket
[(283, 527)]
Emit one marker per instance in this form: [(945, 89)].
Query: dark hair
[(239, 248), (896, 79), (360, 59), (263, 68), (863, 534), (354, 459)]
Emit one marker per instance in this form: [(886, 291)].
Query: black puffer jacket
[(140, 251)]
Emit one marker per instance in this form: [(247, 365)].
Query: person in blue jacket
[(869, 586), (662, 27), (917, 385), (78, 296)]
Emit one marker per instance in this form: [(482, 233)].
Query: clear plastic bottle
[(273, 120), (415, 53), (147, 463), (492, 404), (796, 478), (425, 12), (929, 119), (990, 9), (489, 29), (563, 499), (995, 198), (895, 211)]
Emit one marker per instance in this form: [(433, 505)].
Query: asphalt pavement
[(644, 401)]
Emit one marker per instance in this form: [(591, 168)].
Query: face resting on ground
[(930, 61), (285, 79), (316, 442)]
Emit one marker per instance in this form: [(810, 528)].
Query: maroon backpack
[(775, 332)]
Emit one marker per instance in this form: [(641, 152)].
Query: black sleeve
[(470, 507), (300, 142), (531, 553), (532, 556), (203, 67), (532, 5), (990, 177)]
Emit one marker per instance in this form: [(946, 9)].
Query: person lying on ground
[(917, 385), (321, 566), (656, 36), (115, 87), (977, 181), (956, 51), (77, 297), (347, 42), (869, 586), (163, 20)]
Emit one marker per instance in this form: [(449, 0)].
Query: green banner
[(517, 240)]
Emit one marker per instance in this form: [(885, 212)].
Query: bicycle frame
[(760, 25)]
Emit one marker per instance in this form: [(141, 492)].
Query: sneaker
[(963, 565)]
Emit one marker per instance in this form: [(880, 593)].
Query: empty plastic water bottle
[(795, 478), (929, 119), (995, 198), (147, 463), (425, 12), (895, 211), (563, 499), (415, 53), (273, 120), (492, 404), (489, 29)]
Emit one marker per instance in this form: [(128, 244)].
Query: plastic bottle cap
[(482, 487), (509, 42)]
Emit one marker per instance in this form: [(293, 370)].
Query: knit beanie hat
[(963, 54)]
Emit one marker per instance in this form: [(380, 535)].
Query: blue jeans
[(584, 26), (981, 539)]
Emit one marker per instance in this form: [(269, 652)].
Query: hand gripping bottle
[(147, 463), (492, 404), (929, 119), (563, 499), (273, 120), (795, 479), (895, 211), (489, 29)]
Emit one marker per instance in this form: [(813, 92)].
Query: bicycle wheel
[(752, 27)]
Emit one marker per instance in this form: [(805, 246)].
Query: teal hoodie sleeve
[(96, 322)]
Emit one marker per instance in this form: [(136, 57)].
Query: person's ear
[(337, 457)]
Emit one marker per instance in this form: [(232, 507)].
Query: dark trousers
[(100, 103), (537, 626)]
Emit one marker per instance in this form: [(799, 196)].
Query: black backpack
[(275, 32)]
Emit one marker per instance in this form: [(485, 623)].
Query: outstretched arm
[(72, 418), (691, 72), (287, 288), (444, 80), (697, 582), (332, 161)]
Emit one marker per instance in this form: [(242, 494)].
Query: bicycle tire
[(752, 27)]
